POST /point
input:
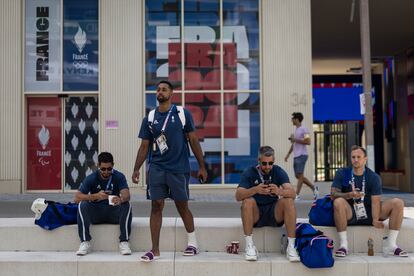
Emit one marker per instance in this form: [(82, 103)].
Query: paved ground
[(204, 203)]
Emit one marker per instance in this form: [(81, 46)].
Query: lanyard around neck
[(166, 119), (261, 175), (352, 182), (109, 185)]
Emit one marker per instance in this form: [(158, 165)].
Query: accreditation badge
[(162, 143), (360, 211)]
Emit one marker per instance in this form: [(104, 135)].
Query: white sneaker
[(251, 252), (292, 254), (124, 248), (83, 248), (297, 197), (316, 192)]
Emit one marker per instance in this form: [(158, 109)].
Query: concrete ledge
[(206, 263), (212, 233)]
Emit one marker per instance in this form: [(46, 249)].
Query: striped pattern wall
[(286, 74), (121, 79), (10, 95)]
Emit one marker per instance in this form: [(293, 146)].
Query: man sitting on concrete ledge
[(268, 200), (357, 201), (94, 206)]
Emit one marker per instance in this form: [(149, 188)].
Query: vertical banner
[(44, 140), (80, 45), (43, 42), (81, 136)]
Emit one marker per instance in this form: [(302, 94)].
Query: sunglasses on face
[(267, 163), (106, 169)]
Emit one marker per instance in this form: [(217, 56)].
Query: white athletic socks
[(392, 238), (192, 240), (343, 240), (291, 242), (249, 239)]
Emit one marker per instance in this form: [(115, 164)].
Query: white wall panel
[(10, 95), (121, 85), (286, 74)]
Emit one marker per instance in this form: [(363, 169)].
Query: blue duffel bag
[(321, 212), (314, 248), (51, 215)]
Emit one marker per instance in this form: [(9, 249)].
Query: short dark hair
[(297, 115), (105, 157), (356, 147), (167, 83), (266, 151)]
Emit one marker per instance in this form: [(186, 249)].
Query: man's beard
[(162, 99)]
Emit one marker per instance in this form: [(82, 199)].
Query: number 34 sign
[(298, 99)]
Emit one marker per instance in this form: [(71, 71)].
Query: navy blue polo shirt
[(176, 158), (342, 181), (251, 178), (94, 183)]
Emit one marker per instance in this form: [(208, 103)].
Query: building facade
[(77, 78)]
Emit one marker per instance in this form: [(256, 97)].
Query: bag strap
[(181, 115), (321, 237), (180, 111)]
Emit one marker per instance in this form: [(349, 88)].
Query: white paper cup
[(110, 198)]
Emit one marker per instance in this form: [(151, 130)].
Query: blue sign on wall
[(334, 104), (80, 45)]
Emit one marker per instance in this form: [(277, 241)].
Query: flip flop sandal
[(190, 251), (341, 252), (399, 252), (149, 257)]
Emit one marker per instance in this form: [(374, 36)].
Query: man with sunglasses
[(357, 201), (267, 200), (94, 207), (165, 139)]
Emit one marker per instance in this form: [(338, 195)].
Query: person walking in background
[(300, 140)]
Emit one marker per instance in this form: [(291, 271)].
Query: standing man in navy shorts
[(165, 134), (267, 200)]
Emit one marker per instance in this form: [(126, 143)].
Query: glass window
[(162, 42), (59, 59), (44, 143), (43, 61), (80, 45), (219, 60)]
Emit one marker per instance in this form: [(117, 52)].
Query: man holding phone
[(94, 205), (267, 200)]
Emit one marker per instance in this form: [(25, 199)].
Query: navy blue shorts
[(299, 164), (267, 216), (162, 184)]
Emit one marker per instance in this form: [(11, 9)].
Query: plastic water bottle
[(283, 244), (370, 247)]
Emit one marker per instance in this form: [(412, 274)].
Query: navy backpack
[(315, 249), (321, 212), (57, 214)]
